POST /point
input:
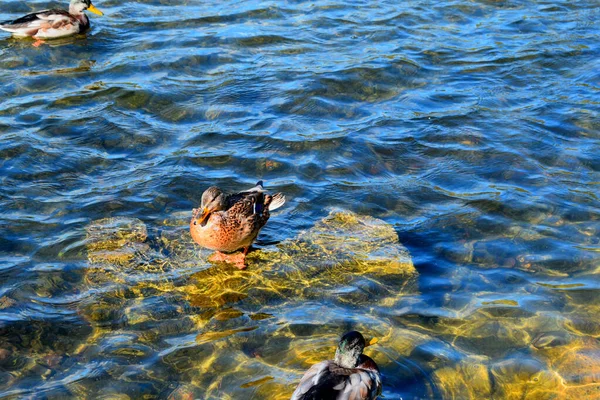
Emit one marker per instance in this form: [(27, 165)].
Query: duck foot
[(237, 259), (38, 43)]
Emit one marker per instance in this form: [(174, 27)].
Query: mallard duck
[(54, 23), (349, 376), (227, 223)]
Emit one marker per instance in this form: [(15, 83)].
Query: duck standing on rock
[(54, 23), (349, 376), (227, 223)]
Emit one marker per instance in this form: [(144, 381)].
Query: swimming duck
[(227, 223), (54, 23), (349, 376)]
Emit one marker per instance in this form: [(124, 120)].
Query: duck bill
[(371, 342), (204, 216), (94, 10)]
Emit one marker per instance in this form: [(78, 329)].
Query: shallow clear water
[(471, 127)]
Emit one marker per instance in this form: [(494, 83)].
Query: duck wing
[(312, 379), (30, 24), (272, 202), (249, 208), (236, 197), (328, 380)]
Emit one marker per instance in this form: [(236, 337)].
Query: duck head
[(349, 350), (213, 199), (77, 7)]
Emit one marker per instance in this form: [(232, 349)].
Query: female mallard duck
[(55, 23), (227, 223), (350, 376)]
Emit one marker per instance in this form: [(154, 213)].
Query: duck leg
[(218, 257), (237, 259), (38, 43)]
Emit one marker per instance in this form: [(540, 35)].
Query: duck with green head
[(53, 23), (351, 375)]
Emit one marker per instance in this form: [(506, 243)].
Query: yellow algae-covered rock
[(346, 257), (545, 342), (485, 330), (367, 241), (576, 360), (120, 256), (586, 324), (468, 379), (115, 240), (580, 366), (114, 233), (523, 377), (337, 250), (253, 332)]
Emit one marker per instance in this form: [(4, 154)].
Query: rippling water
[(473, 128)]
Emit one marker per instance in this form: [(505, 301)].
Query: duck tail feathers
[(277, 201), (257, 188)]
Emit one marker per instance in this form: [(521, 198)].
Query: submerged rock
[(522, 377), (344, 257), (468, 379), (239, 325), (575, 359), (115, 240)]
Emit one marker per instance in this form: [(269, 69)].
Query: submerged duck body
[(227, 223), (351, 375), (54, 23)]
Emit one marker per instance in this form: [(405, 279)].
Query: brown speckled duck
[(349, 376), (227, 223)]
